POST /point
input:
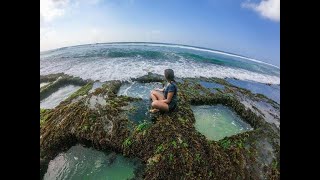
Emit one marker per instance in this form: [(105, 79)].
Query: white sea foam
[(105, 69)]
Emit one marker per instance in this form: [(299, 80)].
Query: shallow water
[(85, 163), (218, 121), (141, 112), (138, 90), (269, 113), (272, 91), (55, 98), (95, 86), (211, 85)]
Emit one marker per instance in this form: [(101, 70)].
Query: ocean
[(123, 61)]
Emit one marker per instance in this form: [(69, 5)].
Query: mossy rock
[(171, 147)]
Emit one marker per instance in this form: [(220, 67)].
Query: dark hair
[(169, 74)]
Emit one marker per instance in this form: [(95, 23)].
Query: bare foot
[(154, 110)]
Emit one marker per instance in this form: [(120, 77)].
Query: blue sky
[(247, 27)]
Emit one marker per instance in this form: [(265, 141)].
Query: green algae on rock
[(57, 81), (171, 147)]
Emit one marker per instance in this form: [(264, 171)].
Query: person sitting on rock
[(165, 99)]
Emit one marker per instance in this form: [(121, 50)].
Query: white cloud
[(51, 9), (269, 9)]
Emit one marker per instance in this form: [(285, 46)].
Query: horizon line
[(190, 46)]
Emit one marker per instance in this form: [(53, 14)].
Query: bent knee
[(153, 103)]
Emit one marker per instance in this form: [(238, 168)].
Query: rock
[(150, 77), (107, 128)]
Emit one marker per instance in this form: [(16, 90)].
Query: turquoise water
[(138, 90), (123, 61), (218, 121), (55, 98), (140, 113), (85, 163)]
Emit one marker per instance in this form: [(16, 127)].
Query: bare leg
[(153, 97), (156, 95), (160, 105)]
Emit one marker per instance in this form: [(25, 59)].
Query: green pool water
[(218, 121), (85, 163)]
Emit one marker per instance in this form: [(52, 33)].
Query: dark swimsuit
[(172, 87)]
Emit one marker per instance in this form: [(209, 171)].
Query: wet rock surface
[(170, 146)]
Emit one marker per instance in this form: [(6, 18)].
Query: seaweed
[(171, 147)]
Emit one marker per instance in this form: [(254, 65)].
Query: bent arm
[(169, 98), (158, 89)]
